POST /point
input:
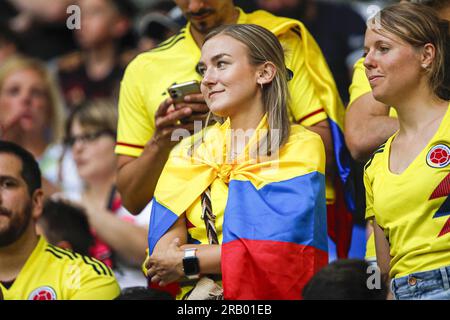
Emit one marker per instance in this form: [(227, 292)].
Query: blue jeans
[(427, 285)]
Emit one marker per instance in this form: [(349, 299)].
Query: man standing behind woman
[(407, 179)]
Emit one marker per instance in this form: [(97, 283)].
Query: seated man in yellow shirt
[(31, 268)]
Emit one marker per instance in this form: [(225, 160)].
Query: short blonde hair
[(57, 114)]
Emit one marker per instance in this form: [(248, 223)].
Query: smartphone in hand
[(178, 91)]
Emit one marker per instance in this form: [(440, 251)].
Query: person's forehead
[(26, 74), (10, 165), (222, 44), (381, 35)]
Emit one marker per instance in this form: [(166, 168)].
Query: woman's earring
[(425, 66)]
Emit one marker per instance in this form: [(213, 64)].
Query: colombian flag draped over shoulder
[(340, 213), (274, 229)]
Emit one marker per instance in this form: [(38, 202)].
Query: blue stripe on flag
[(271, 214), (161, 219)]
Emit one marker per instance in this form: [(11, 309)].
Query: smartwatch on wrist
[(191, 266)]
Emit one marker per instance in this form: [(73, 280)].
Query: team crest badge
[(43, 293), (438, 156)]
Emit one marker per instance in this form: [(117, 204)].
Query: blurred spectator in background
[(31, 115), (91, 132), (40, 26), (66, 226), (156, 25), (346, 280), (96, 70), (9, 43), (337, 28)]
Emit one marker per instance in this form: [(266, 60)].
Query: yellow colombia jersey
[(52, 273), (147, 78), (413, 208)]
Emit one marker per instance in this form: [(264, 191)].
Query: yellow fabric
[(371, 253), (149, 75), (360, 85), (402, 207), (69, 275), (179, 189)]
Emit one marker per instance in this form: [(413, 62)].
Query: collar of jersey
[(40, 246)]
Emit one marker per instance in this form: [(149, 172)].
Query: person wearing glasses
[(120, 236)]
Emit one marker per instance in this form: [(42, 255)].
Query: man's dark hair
[(142, 293), (62, 221), (30, 168), (344, 279)]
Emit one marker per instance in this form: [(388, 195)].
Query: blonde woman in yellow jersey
[(380, 121), (407, 179)]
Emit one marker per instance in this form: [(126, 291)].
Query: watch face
[(191, 266)]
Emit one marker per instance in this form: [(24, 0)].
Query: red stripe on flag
[(268, 270), (340, 222), (189, 224), (172, 288)]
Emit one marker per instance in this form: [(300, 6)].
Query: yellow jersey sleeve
[(306, 107), (371, 253), (369, 197), (135, 126), (370, 215), (360, 85), (97, 282)]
